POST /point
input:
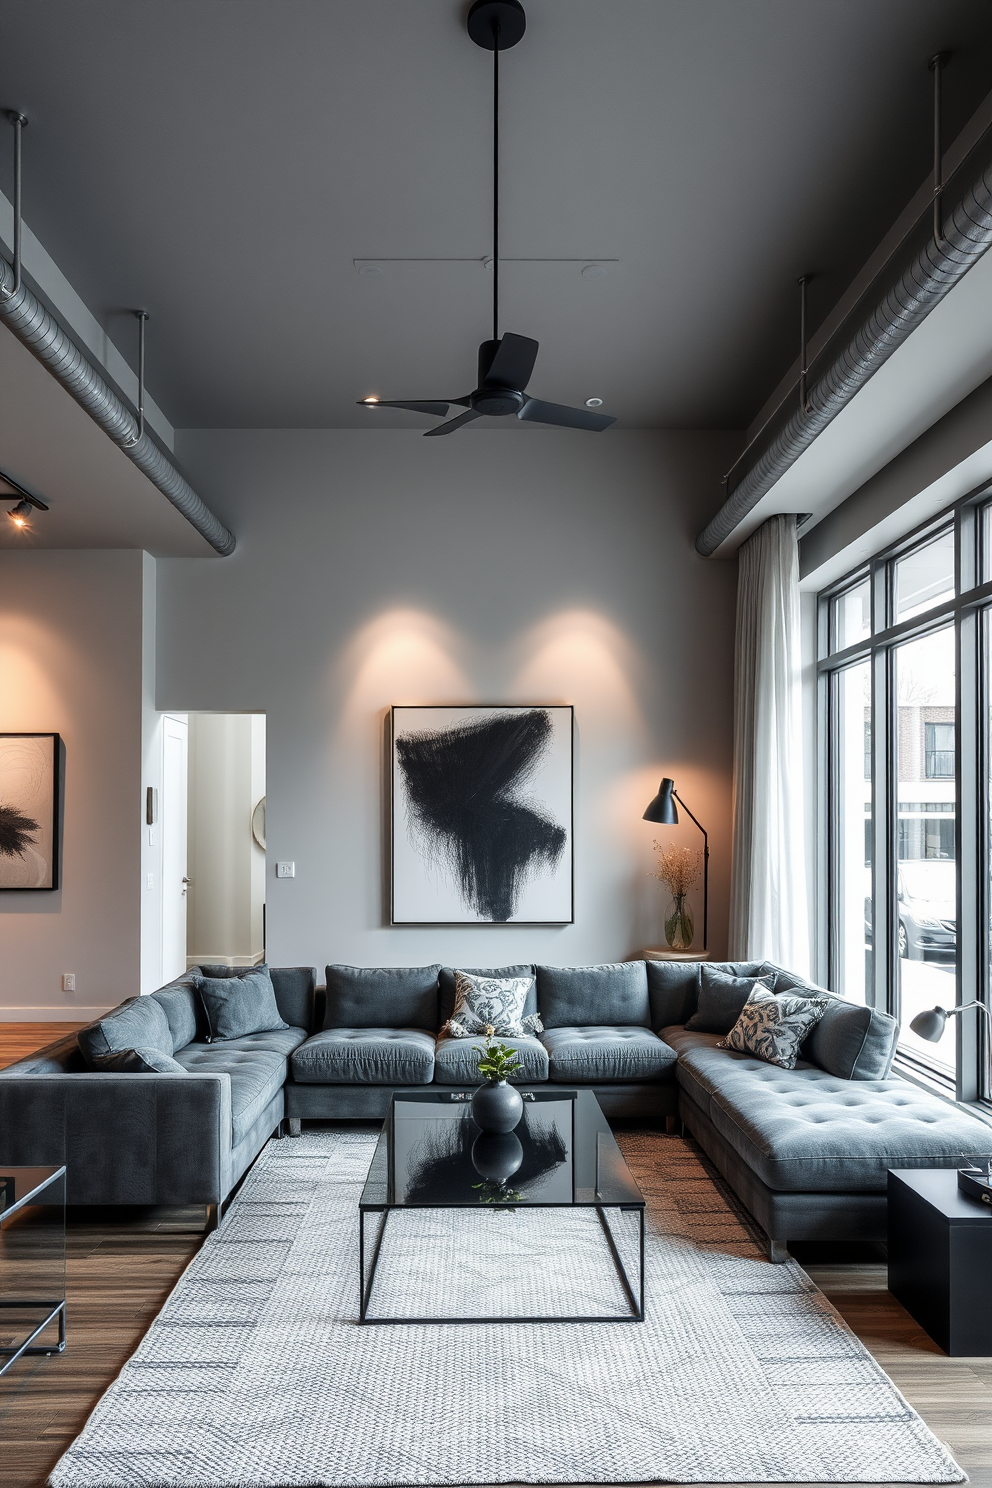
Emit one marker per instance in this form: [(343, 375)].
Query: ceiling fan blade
[(453, 424), (414, 405), (536, 412), (513, 363)]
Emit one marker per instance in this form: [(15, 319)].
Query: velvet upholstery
[(256, 1065), (139, 1062), (294, 986), (673, 991), (589, 1055), (850, 1041), (382, 997), (455, 1063), (140, 1022), (365, 1056), (614, 994), (183, 1008), (722, 996)]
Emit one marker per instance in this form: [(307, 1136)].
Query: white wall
[(71, 633), (505, 566), (225, 865)]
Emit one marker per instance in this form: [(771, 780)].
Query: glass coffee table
[(431, 1159)]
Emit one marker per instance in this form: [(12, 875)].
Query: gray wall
[(70, 663), (505, 566)]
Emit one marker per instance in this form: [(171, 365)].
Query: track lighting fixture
[(20, 514)]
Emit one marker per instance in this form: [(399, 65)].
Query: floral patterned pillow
[(772, 1025), (491, 1002)]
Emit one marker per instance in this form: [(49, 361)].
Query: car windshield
[(927, 880)]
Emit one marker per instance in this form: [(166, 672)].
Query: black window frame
[(971, 522)]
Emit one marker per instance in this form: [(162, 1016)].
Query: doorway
[(225, 820)]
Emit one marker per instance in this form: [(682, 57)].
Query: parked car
[(927, 903)]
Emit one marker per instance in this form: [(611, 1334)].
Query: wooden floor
[(122, 1265)]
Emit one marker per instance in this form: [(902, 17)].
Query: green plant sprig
[(495, 1061)]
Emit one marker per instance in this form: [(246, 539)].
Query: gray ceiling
[(223, 162)]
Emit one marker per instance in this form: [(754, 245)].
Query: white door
[(173, 817)]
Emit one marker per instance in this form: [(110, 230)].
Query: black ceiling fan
[(505, 363)]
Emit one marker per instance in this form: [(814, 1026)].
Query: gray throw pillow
[(721, 999), (140, 1062), (772, 1025), (139, 1023), (238, 1005)]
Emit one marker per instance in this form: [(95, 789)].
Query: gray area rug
[(257, 1372)]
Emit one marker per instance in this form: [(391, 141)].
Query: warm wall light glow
[(581, 657), (403, 656), (20, 513)]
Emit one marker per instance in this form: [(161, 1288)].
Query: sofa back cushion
[(673, 990), (382, 997), (446, 986), (139, 1023), (295, 988), (722, 996), (183, 1008), (850, 1041), (241, 1005), (583, 996)]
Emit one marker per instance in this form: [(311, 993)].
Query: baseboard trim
[(60, 1014), (205, 959)]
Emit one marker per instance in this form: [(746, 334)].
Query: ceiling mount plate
[(496, 25)]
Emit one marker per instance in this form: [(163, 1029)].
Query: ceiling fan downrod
[(496, 25)]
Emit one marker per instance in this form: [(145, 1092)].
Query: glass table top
[(20, 1185), (431, 1154)]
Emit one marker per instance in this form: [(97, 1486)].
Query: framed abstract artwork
[(481, 815), (29, 811)]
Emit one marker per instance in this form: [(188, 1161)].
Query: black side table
[(32, 1261), (940, 1258)]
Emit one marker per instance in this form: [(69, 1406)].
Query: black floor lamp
[(662, 810)]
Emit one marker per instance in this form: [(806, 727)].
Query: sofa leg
[(280, 1131), (213, 1217), (294, 1123), (778, 1252), (674, 1127)]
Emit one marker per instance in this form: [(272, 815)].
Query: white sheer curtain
[(768, 908)]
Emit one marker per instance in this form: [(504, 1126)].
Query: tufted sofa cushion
[(806, 1131), (454, 1060), (257, 1065), (365, 1056), (581, 1055)]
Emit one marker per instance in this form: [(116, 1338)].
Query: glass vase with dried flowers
[(678, 868)]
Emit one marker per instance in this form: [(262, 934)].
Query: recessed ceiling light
[(594, 402), (594, 271), (370, 270)]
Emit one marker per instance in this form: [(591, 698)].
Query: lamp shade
[(930, 1024), (662, 808)]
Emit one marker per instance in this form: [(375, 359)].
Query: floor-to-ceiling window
[(905, 686)]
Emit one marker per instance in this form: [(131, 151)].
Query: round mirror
[(258, 824)]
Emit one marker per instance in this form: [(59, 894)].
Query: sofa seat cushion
[(365, 1056), (804, 1131), (454, 1060), (578, 1056), (692, 1074), (257, 1067)]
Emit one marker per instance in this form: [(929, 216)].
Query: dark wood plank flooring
[(123, 1264)]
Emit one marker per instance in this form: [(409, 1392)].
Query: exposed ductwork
[(936, 269), (39, 331)]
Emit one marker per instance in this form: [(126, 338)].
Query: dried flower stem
[(678, 867)]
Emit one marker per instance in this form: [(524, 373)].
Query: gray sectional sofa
[(807, 1150)]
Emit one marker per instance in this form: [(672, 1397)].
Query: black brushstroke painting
[(17, 832), (464, 786)]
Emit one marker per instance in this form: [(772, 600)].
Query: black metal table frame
[(56, 1310), (634, 1297)]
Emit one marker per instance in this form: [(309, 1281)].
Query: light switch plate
[(68, 981), (285, 870)]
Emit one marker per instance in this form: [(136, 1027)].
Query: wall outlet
[(68, 981), (285, 870)]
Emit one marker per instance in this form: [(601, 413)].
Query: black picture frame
[(566, 813), (31, 784)]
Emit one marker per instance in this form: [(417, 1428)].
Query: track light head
[(20, 513)]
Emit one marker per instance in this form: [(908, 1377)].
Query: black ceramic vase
[(497, 1108)]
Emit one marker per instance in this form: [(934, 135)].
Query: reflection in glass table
[(562, 1156)]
